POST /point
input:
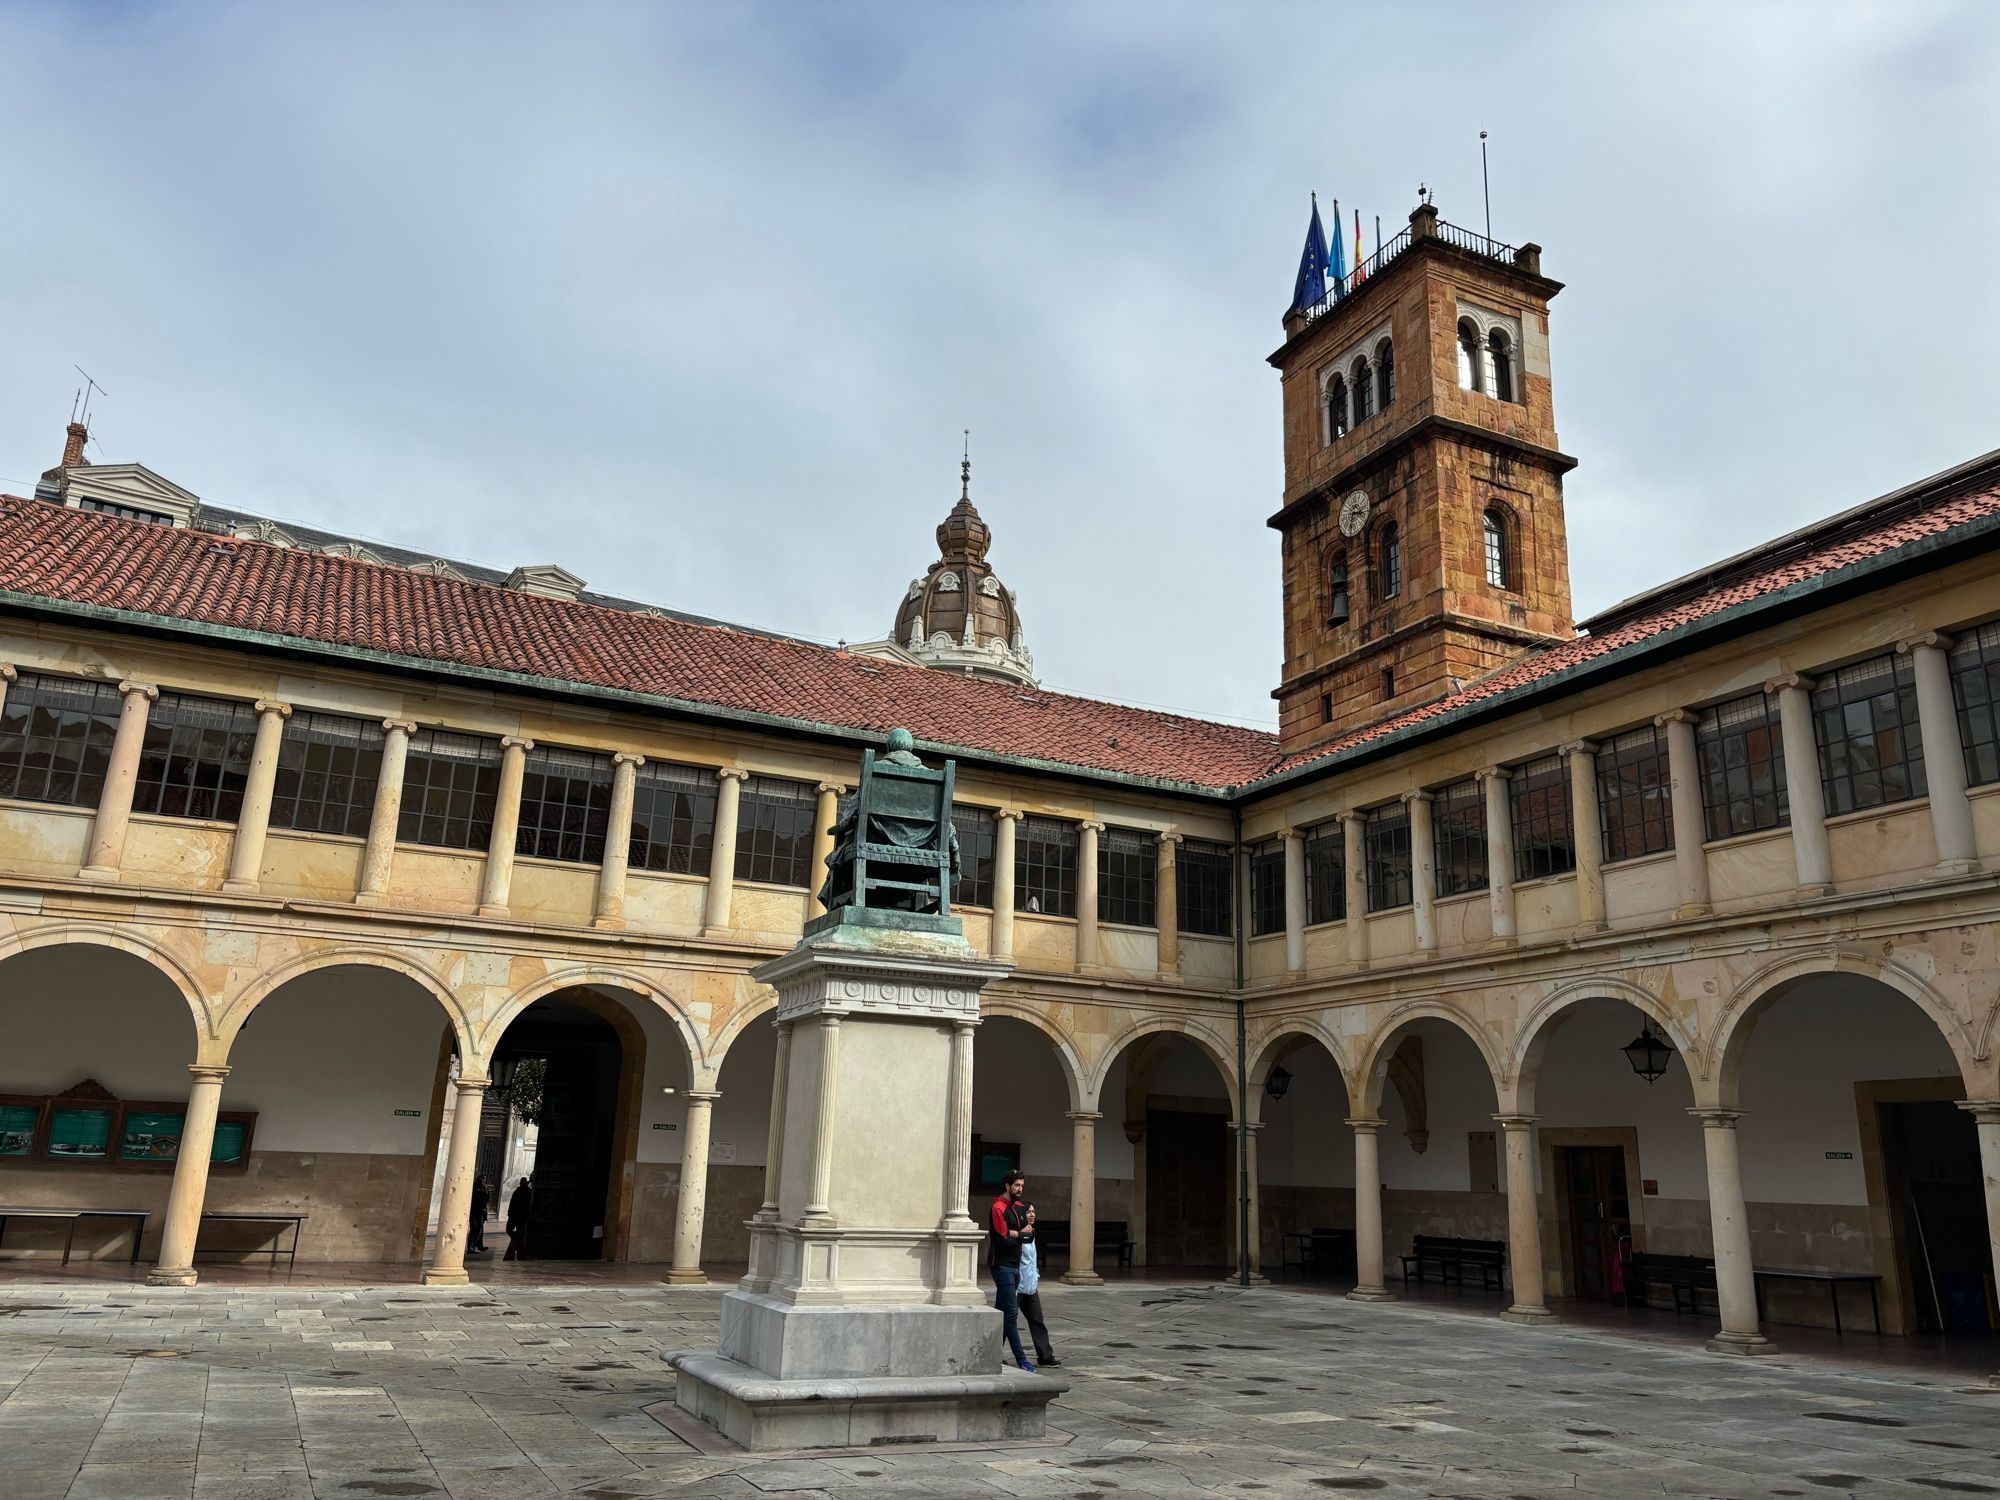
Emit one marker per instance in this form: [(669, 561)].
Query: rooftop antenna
[(965, 470), (1424, 194), (91, 390), (1485, 188)]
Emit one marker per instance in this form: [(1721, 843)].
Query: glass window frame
[(1974, 667), (1635, 807), (1387, 857), (451, 786), (1128, 870), (194, 762), (1266, 860), (55, 739), (774, 832), (1205, 888), (565, 805), (978, 841), (1326, 874), (1870, 744), (681, 801), (1458, 839), (1046, 852), (1538, 805), (328, 773), (1740, 755)]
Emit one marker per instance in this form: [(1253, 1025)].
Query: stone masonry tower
[(1424, 544)]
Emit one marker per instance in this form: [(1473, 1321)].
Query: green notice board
[(151, 1135), (17, 1128), (80, 1133), (229, 1138)]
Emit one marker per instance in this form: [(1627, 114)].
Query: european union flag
[(1310, 288)]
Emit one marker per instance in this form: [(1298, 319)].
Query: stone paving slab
[(132, 1393)]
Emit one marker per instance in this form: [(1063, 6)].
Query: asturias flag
[(1311, 286), (1339, 262)]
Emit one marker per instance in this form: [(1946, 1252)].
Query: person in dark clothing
[(1030, 1294), (482, 1200), (1006, 1228), (520, 1208)]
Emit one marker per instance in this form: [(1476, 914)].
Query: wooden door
[(1187, 1189), (1599, 1215)]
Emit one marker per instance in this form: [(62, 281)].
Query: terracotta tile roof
[(1857, 542), (187, 574)]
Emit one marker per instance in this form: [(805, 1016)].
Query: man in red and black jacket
[(1007, 1229)]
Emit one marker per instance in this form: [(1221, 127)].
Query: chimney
[(74, 437)]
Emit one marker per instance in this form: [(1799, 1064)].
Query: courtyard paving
[(112, 1392)]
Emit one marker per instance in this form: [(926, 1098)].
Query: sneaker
[(1028, 1365), (1051, 1362)]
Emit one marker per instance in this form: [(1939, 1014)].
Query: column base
[(685, 1276), (240, 887), (493, 911), (1815, 891), (1528, 1315), (1080, 1278), (1954, 869), (1371, 1294), (161, 1276), (1691, 911), (98, 872), (1740, 1343), (434, 1277), (608, 924), (371, 898)]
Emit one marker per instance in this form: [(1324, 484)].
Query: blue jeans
[(1006, 1297)]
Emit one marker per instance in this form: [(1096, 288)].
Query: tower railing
[(1462, 239)]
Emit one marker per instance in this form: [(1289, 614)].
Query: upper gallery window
[(1634, 794), (450, 783), (1544, 838), (1871, 751), (195, 760), (55, 739), (1267, 887), (774, 831), (976, 827), (1458, 834), (1045, 867), (565, 805), (1975, 685), (673, 819), (1742, 767), (328, 765), (1205, 876), (1128, 864)]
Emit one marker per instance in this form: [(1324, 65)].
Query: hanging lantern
[(1649, 1052), (1279, 1083)]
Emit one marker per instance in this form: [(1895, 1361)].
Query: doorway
[(1187, 1188), (580, 1059), (1930, 1160), (1598, 1212)]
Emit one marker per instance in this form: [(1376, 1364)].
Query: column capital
[(129, 687), (628, 758), (1579, 747), (1292, 831), (1253, 1127), (1364, 1127), (703, 1097), (516, 742), (1170, 837), (1516, 1122), (1411, 799), (1717, 1119), (1986, 1111), (1491, 773), (215, 1073), (964, 1025), (1350, 815), (1786, 680), (1676, 716), (1936, 640), (7, 673), (838, 788), (472, 1085), (1091, 826), (273, 706), (732, 773), (399, 726), (1006, 814), (1091, 1116)]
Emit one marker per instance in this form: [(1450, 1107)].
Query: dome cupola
[(959, 615)]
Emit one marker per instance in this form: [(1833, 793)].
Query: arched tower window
[(1336, 407), (1337, 592), (1385, 375), (1503, 364), (1364, 391), (1499, 566), (1390, 575), (1468, 355)]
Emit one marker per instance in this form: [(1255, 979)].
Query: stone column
[(1247, 1170), (1083, 1199), (114, 803), (175, 1266), (1524, 1223), (1499, 850), (958, 1122), (246, 850), (1423, 870), (1587, 830), (1086, 895), (1803, 788), (493, 893), (1690, 826), (380, 854), (1004, 820), (820, 1184), (686, 1269), (447, 1267), (1735, 1283), (757, 1277), (617, 863), (1987, 1113), (1368, 1285), (722, 853), (1295, 900), (1944, 753), (1167, 904), (824, 814), (1354, 868)]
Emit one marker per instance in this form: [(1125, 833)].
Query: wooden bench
[(1454, 1257), (279, 1220), (1684, 1277), (76, 1216), (1330, 1250), (1112, 1238)]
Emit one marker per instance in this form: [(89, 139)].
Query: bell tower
[(1424, 544)]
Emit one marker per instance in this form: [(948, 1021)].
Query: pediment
[(129, 484)]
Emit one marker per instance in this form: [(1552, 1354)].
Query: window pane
[(450, 784), (1742, 767), (1458, 836), (673, 819), (327, 769), (1045, 867), (1267, 887), (1204, 882), (1385, 842), (1543, 841), (1975, 687), (1128, 863), (1870, 749), (565, 805), (1326, 874), (55, 739), (774, 831), (976, 826), (1634, 794), (195, 759)]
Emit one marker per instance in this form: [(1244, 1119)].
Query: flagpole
[(1485, 187)]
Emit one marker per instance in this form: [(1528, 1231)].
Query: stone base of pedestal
[(783, 1341), (763, 1415), (1741, 1343), (186, 1277)]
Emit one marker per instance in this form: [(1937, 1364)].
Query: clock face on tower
[(1354, 513)]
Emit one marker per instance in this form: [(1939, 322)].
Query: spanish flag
[(1359, 274)]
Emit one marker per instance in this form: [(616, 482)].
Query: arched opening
[(1621, 1182), (738, 1145), (1501, 354), (1385, 375), (1167, 1100), (1499, 554), (1305, 1163), (1364, 391), (1021, 1103), (93, 1079), (1336, 407), (1857, 1160), (1338, 603), (1468, 355)]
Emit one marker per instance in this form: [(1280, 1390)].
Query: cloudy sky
[(695, 300)]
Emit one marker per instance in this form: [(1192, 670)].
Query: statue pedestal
[(861, 1320)]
